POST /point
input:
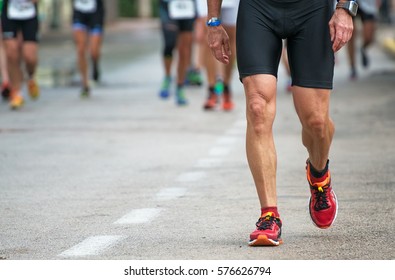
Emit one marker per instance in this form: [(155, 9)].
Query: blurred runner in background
[(219, 76), (5, 79), (367, 12), (19, 20), (177, 19), (88, 28)]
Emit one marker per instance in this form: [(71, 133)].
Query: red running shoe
[(323, 202), (211, 102), (268, 231), (227, 104)]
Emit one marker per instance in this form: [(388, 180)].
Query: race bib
[(228, 3), (21, 9), (181, 9), (85, 6)]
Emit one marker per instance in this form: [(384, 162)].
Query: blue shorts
[(89, 22)]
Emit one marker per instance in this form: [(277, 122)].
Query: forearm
[(214, 8)]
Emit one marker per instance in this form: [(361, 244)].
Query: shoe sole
[(337, 207), (263, 240)]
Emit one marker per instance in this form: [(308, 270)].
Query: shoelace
[(321, 199), (266, 222)]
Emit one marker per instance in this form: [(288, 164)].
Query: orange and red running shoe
[(323, 202), (268, 231)]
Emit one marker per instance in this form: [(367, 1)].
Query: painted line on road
[(191, 176), (208, 162), (219, 151), (227, 140), (139, 216), (92, 246), (170, 193)]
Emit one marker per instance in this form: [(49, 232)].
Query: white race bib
[(21, 9), (85, 6), (181, 9), (228, 3)]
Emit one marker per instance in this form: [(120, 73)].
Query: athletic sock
[(318, 176), (270, 209)]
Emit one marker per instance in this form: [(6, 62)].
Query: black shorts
[(261, 26), (182, 25), (90, 22), (29, 28)]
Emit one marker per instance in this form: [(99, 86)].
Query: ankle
[(270, 209)]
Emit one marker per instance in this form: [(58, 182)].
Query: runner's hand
[(218, 41), (341, 28)]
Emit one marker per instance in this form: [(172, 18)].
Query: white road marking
[(227, 140), (219, 151), (170, 193), (139, 216), (92, 246), (209, 162), (191, 176)]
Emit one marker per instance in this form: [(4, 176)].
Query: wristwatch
[(350, 6), (213, 22)]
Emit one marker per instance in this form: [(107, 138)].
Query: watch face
[(353, 8)]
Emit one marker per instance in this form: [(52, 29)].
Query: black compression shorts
[(29, 28), (182, 25), (261, 26)]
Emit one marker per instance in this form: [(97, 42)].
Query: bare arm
[(218, 39)]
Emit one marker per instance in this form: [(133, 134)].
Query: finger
[(332, 31), (225, 59), (335, 45), (218, 54), (227, 49), (339, 41)]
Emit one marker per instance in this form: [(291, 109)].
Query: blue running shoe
[(164, 91), (180, 97), (194, 77)]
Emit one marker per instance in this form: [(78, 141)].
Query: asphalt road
[(125, 175)]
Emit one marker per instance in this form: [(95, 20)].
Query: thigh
[(80, 21), (186, 25), (30, 50), (258, 44), (311, 102), (96, 22), (310, 53), (10, 27), (80, 39), (29, 29)]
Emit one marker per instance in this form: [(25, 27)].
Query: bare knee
[(260, 114), (316, 125), (13, 57), (81, 52)]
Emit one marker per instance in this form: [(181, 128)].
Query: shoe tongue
[(270, 214)]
